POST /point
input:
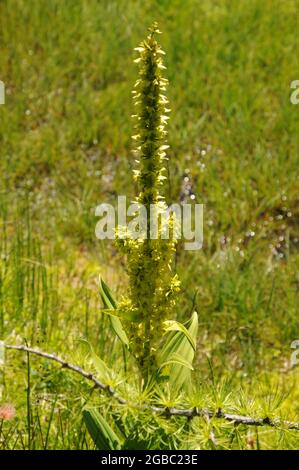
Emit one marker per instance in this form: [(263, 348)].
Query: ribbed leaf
[(110, 304), (176, 326), (176, 359), (100, 431), (106, 295), (102, 369), (178, 352)]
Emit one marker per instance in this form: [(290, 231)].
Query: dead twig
[(167, 412)]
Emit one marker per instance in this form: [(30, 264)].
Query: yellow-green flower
[(152, 286)]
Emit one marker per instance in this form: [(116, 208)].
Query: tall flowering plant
[(152, 286), (142, 317)]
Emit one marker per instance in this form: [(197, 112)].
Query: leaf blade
[(111, 304), (100, 431), (178, 353)]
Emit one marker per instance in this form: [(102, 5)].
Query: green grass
[(65, 147)]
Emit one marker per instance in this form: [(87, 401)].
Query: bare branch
[(167, 412), (66, 365)]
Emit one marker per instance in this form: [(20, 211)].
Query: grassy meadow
[(65, 147)]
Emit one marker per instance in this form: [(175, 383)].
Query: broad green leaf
[(176, 326), (106, 295), (176, 359), (100, 431), (119, 330), (178, 353), (110, 304), (102, 369)]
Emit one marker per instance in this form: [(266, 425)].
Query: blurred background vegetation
[(65, 147)]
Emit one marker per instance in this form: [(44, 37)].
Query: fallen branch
[(167, 412), (66, 365)]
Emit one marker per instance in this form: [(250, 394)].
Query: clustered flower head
[(152, 286)]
